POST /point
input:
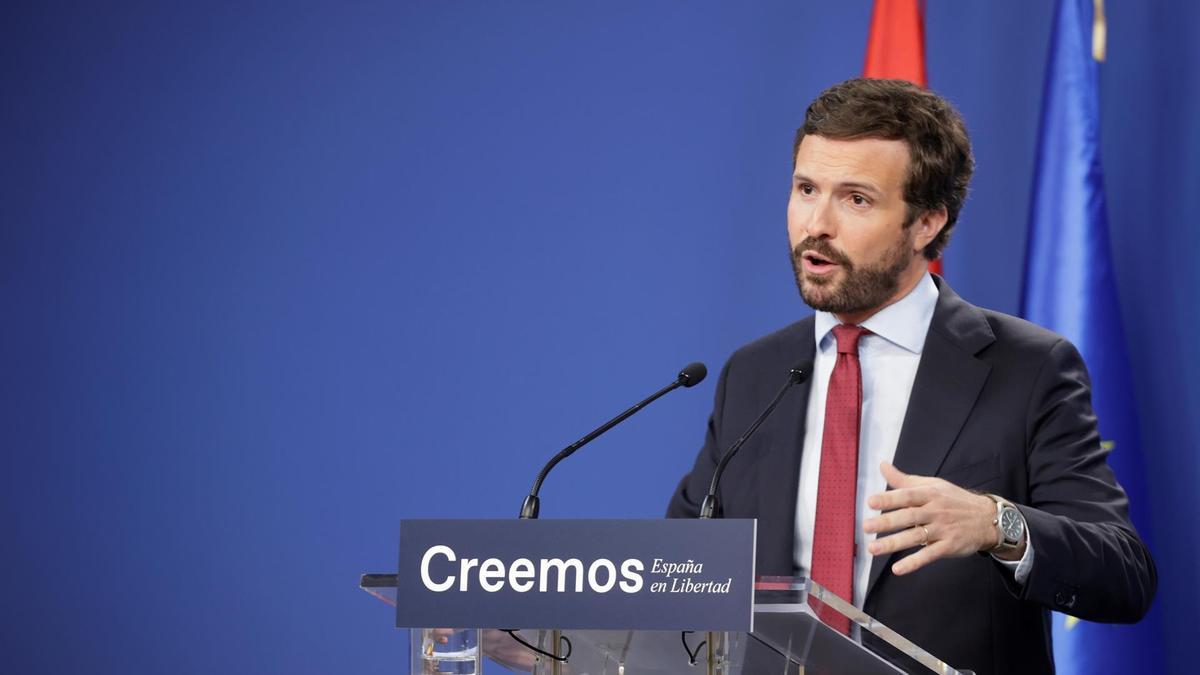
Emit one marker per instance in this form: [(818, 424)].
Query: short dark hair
[(940, 161)]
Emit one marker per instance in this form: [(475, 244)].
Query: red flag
[(896, 45), (896, 49)]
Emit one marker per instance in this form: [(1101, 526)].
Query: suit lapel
[(949, 379), (779, 470)]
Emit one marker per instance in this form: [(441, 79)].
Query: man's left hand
[(944, 519)]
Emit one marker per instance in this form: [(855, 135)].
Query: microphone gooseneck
[(799, 373), (691, 375)]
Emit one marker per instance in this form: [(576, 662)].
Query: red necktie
[(833, 533)]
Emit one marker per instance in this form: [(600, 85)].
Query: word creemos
[(523, 575)]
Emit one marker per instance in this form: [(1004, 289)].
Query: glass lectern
[(788, 637)]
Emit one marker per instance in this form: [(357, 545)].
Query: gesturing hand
[(944, 519)]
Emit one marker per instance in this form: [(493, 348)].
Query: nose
[(821, 222)]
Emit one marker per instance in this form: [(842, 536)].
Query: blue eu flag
[(1069, 288)]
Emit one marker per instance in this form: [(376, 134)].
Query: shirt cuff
[(1020, 568)]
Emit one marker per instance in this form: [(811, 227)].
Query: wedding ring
[(925, 539)]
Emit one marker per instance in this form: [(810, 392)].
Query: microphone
[(691, 375), (799, 373)]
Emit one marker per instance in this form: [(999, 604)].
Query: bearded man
[(942, 468)]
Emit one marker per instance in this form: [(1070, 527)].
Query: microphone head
[(692, 374), (801, 371)]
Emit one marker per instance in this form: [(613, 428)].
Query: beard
[(860, 287)]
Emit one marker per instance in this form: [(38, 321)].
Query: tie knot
[(847, 338)]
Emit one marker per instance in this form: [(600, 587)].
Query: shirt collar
[(904, 323)]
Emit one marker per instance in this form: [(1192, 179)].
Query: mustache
[(823, 248)]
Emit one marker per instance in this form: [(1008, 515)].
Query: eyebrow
[(848, 185)]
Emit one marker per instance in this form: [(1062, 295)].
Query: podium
[(788, 637)]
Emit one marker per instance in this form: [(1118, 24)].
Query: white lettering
[(671, 568), (686, 585), (491, 575), (425, 559), (631, 569), (561, 566), (522, 568), (523, 574), (464, 570), (602, 563)]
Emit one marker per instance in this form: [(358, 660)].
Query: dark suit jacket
[(998, 405)]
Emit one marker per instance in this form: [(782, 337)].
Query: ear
[(927, 227)]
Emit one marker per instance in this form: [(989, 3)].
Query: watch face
[(1011, 525)]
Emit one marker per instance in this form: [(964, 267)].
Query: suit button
[(1064, 599)]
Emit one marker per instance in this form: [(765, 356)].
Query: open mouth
[(816, 262)]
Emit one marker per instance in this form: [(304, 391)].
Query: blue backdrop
[(277, 276)]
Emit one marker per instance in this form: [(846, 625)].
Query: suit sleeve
[(685, 503), (1090, 562)]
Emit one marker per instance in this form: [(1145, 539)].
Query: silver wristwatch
[(1010, 523)]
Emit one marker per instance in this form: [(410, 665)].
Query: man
[(942, 467)]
